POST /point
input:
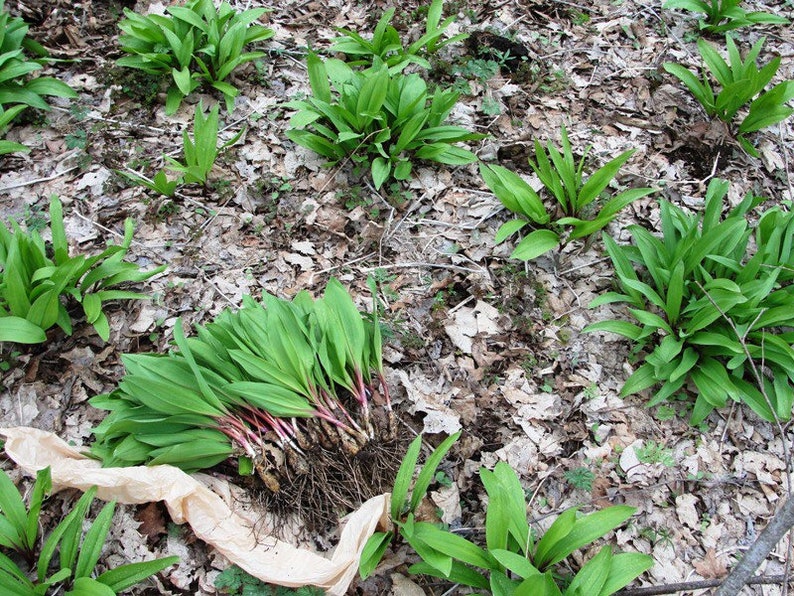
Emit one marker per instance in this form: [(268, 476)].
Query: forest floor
[(478, 342)]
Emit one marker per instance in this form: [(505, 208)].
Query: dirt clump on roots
[(327, 475)]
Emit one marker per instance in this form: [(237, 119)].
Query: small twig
[(206, 278), (130, 124), (420, 264), (37, 180), (341, 265), (695, 585), (713, 169), (103, 228), (572, 269)]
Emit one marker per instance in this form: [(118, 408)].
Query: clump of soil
[(329, 477)]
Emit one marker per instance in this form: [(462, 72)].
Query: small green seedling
[(387, 46), (201, 151)]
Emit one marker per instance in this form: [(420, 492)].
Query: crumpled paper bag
[(211, 519)]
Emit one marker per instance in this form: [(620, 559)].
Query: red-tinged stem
[(362, 398), (238, 438), (385, 388), (248, 433), (335, 404), (361, 389), (249, 415), (284, 432)]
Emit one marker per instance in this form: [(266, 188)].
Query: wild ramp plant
[(36, 281), (724, 15), (388, 47), (513, 561), (16, 87), (377, 118), (244, 382), (18, 90), (202, 150), (577, 198), (23, 573), (713, 302), (741, 84), (192, 45)]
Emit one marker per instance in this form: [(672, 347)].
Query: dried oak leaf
[(152, 521), (711, 566)]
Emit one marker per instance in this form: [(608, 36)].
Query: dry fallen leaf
[(152, 521), (686, 511), (711, 566)]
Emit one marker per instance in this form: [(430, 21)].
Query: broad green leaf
[(66, 536), (93, 540), (675, 293), (585, 530), (60, 245), (86, 586), (538, 585), (593, 575), (279, 401), (443, 564), (535, 244), (13, 510), (599, 180), (193, 455), (642, 378), (13, 579), (558, 530), (701, 91), (19, 330), (517, 564), (318, 77), (501, 585), (514, 193), (453, 545), (509, 228), (41, 489), (125, 576), (380, 171), (509, 518), (624, 569), (689, 359), (713, 382), (650, 319)]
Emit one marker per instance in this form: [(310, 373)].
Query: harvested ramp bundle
[(293, 391)]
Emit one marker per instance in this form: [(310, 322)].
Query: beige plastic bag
[(211, 519)]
